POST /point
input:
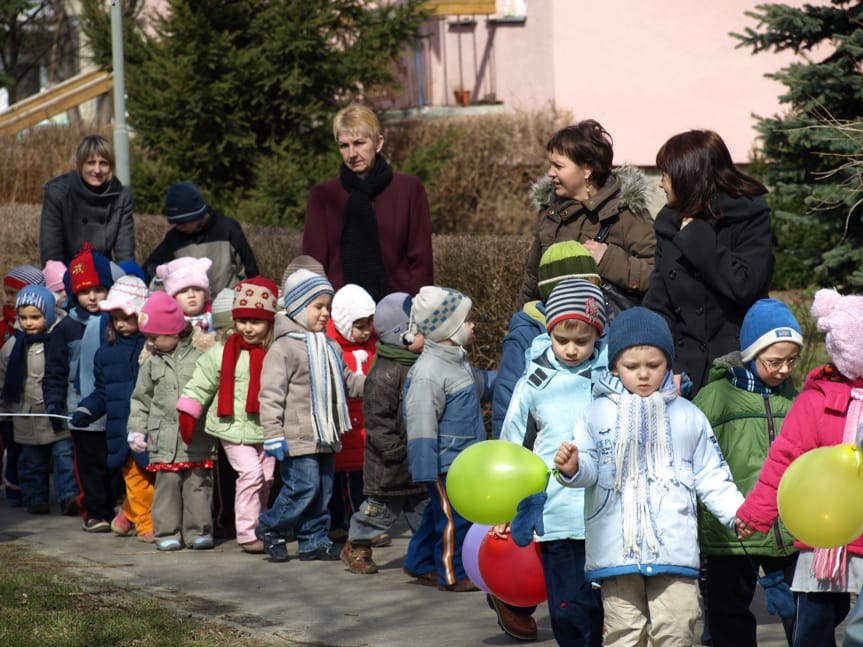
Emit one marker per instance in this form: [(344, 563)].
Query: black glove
[(80, 419)]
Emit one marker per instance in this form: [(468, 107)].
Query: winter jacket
[(620, 203), (221, 239), (30, 430), (404, 231), (385, 469), (201, 394), (816, 419), (116, 370), (524, 326), (285, 396), (72, 214), (706, 276), (742, 422), (358, 358), (551, 395), (699, 470), (61, 384), (442, 409), (153, 408)]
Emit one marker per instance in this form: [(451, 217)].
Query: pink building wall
[(645, 70)]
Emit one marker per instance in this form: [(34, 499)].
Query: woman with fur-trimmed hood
[(583, 199)]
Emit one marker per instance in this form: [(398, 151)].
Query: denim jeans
[(818, 615), (302, 503), (574, 605), (854, 626), (377, 514), (35, 466)]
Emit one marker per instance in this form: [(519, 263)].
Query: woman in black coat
[(714, 256)]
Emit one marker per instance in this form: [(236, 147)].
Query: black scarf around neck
[(360, 246)]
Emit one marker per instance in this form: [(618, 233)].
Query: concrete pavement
[(308, 603)]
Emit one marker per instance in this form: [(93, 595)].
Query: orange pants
[(139, 495)]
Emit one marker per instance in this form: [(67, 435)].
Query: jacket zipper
[(771, 436)]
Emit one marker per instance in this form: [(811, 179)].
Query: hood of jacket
[(631, 181)]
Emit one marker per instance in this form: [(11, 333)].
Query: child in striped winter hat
[(16, 279)]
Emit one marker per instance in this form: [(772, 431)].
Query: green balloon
[(487, 480)]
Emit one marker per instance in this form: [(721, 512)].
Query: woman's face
[(665, 185), (96, 171), (570, 179), (358, 151)]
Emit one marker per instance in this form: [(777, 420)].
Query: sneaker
[(426, 579), (358, 559), (70, 507), (274, 545), (96, 525), (203, 542), (382, 540), (168, 544), (515, 625), (328, 553), (120, 525), (147, 537), (39, 508), (459, 586), (254, 547)]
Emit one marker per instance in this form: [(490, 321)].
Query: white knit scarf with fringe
[(329, 408), (642, 460)]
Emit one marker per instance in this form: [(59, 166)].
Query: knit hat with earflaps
[(301, 288), (393, 319), (350, 303), (841, 319), (128, 294), (88, 269), (40, 298), (440, 313)]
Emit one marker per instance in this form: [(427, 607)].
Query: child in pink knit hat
[(828, 411), (186, 280), (53, 272)]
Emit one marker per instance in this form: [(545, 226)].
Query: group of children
[(144, 384)]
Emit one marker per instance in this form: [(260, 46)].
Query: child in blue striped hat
[(303, 410), (43, 451)]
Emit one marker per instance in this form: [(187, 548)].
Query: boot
[(358, 559)]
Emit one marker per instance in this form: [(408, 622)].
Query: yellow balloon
[(488, 479), (820, 496)]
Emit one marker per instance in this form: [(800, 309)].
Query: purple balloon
[(470, 553)]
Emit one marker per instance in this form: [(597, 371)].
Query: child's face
[(362, 329), (124, 324), (10, 294), (572, 341), (162, 343), (253, 331), (417, 345), (60, 297), (89, 299), (192, 300), (318, 312), (776, 362), (642, 369), (31, 320)]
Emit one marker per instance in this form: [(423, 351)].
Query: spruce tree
[(816, 219), (239, 96)]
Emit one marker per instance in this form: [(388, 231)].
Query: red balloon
[(511, 572)]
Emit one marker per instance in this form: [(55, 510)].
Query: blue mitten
[(528, 519), (276, 447), (777, 595)]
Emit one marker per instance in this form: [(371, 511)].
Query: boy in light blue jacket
[(556, 386)]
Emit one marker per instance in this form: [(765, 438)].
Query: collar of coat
[(630, 184)]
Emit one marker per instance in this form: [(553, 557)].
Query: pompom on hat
[(575, 299), (767, 322), (184, 203), (440, 313), (40, 298), (161, 315), (639, 327), (301, 288), (53, 273), (23, 275), (566, 259), (841, 319), (88, 269), (127, 294), (184, 272), (393, 319), (255, 299), (351, 302)]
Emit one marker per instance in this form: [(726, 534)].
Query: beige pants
[(663, 608)]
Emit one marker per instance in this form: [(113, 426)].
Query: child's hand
[(566, 459), (744, 530), (137, 442), (187, 427), (276, 447), (81, 419), (501, 530)]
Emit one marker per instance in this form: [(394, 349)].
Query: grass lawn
[(43, 605)]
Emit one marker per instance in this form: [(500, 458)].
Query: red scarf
[(230, 354)]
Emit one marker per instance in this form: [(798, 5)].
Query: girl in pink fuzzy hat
[(828, 411), (186, 280)]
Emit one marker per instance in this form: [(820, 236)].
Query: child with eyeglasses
[(746, 398)]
